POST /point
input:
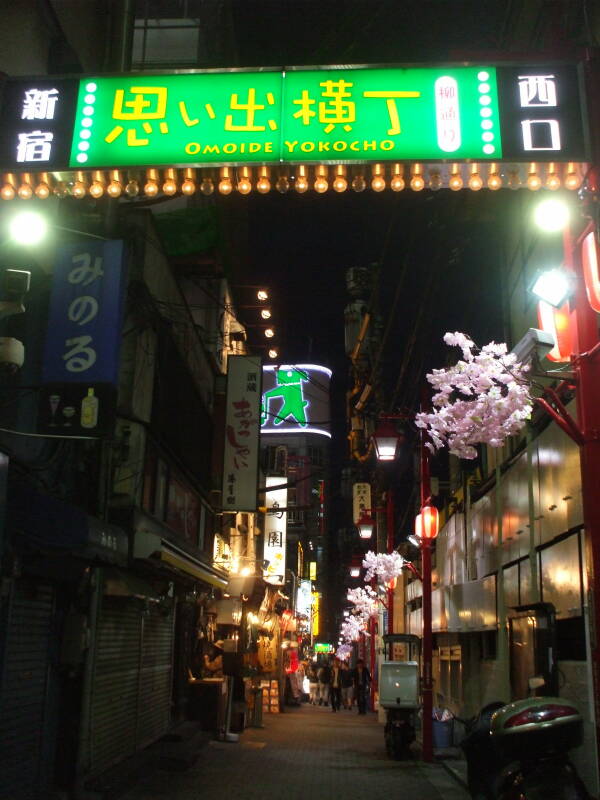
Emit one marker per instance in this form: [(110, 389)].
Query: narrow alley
[(305, 753)]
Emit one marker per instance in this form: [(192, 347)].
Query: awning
[(149, 544), (46, 523)]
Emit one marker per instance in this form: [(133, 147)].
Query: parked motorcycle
[(519, 751)]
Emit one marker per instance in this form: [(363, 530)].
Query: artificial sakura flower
[(364, 601), (352, 627), (344, 651), (483, 398), (386, 566)]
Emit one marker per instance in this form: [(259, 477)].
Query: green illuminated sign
[(322, 647), (295, 116)]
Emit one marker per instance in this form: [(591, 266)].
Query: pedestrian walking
[(336, 685), (324, 676), (362, 679), (347, 686), (313, 685)]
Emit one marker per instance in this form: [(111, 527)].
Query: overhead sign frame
[(328, 114)]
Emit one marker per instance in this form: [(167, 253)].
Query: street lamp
[(553, 286), (386, 440), (552, 215), (354, 571), (365, 525), (28, 228)]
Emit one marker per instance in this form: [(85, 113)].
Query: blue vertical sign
[(81, 357)]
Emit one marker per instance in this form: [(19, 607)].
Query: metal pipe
[(389, 509), (534, 588)]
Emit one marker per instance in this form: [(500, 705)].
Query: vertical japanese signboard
[(361, 500), (240, 457), (81, 356), (275, 533)]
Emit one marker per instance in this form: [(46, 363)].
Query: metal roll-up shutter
[(116, 682), (23, 691), (154, 710)]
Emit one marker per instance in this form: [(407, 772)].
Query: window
[(451, 673), (315, 454), (166, 33)]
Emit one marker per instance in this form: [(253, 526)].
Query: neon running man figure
[(289, 389)]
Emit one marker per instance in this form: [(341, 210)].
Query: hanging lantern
[(429, 524), (365, 525), (386, 440)]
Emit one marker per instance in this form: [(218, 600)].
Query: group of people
[(334, 682)]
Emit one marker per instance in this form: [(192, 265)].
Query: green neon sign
[(322, 647), (295, 116)]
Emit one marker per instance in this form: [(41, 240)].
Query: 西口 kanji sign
[(297, 115)]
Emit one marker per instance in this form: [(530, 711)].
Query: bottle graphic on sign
[(89, 410)]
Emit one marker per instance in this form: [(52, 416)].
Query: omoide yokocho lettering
[(290, 147)]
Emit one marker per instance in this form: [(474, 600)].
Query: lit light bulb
[(572, 180), (262, 295), (244, 186), (340, 184), (435, 181), (25, 191), (283, 184), (169, 187), (475, 182), (552, 215), (321, 184), (132, 189), (534, 182), (397, 183), (359, 183), (225, 186), (265, 313), (301, 184), (188, 187), (42, 190), (151, 188), (28, 227), (417, 183), (494, 181), (378, 183), (263, 185), (273, 353), (78, 190), (7, 192), (455, 182), (269, 333), (96, 189), (114, 189), (553, 181)]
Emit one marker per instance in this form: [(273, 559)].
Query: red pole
[(427, 632), (587, 372), (390, 547)]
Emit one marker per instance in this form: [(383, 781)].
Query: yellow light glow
[(273, 353), (269, 333), (25, 191), (188, 187), (151, 188), (42, 190), (455, 182), (417, 182), (114, 189), (378, 178), (263, 185), (321, 185), (78, 190), (262, 294), (225, 186), (7, 192), (169, 187), (534, 182), (572, 180), (265, 313), (475, 179), (494, 179), (340, 184), (397, 183)]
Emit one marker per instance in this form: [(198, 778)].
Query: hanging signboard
[(332, 114), (81, 355), (361, 500), (240, 458), (303, 598), (295, 399), (275, 533)]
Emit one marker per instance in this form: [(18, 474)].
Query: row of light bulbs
[(321, 178), (262, 296)]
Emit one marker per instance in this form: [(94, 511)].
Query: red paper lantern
[(428, 526)]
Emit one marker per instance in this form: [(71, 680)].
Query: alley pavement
[(305, 752)]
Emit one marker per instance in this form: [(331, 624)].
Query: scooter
[(399, 693), (519, 751)]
